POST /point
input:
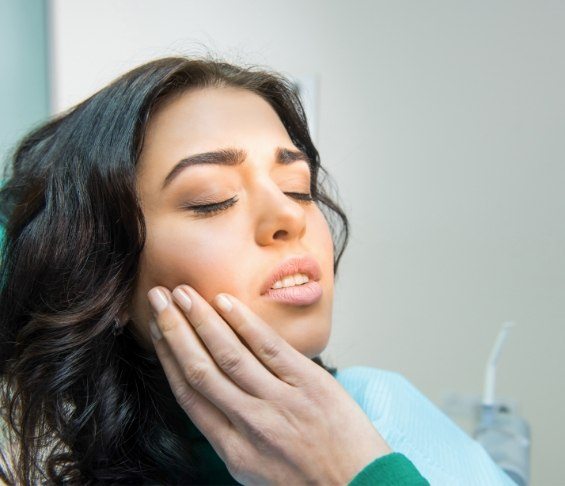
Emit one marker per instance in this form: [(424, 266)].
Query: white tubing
[(490, 372)]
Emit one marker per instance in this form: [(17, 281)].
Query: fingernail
[(223, 303), (182, 298), (158, 300), (155, 332)]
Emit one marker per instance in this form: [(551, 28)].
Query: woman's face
[(236, 249)]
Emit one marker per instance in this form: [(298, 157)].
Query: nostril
[(280, 234)]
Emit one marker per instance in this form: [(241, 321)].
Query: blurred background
[(442, 123)]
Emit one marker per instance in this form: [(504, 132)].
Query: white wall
[(443, 124)]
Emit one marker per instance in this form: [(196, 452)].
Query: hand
[(272, 415)]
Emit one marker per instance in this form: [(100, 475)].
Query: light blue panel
[(24, 91)]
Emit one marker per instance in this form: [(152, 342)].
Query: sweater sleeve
[(393, 469)]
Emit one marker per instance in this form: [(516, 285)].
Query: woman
[(167, 290)]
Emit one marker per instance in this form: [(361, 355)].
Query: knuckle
[(230, 361), (236, 462), (196, 373), (321, 389), (235, 453), (201, 318), (186, 399), (269, 350), (263, 434), (197, 322)]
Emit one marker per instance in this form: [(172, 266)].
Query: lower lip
[(305, 294)]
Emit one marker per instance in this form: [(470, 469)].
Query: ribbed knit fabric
[(412, 425), (391, 470)]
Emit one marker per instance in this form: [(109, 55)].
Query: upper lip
[(290, 266)]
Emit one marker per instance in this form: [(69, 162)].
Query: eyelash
[(210, 209)]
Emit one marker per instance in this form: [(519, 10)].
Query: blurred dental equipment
[(501, 431)]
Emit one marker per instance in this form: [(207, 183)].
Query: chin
[(310, 345)]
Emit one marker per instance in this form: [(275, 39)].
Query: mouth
[(294, 281)]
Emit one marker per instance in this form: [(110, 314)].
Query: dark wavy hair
[(82, 403)]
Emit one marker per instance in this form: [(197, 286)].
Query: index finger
[(277, 354)]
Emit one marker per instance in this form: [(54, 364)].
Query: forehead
[(205, 120), (209, 118)]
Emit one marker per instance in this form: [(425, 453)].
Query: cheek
[(199, 257), (323, 242)]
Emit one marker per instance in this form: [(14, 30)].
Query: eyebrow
[(231, 157)]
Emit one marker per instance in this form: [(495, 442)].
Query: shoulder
[(414, 426), (374, 388), (361, 376), (391, 400)]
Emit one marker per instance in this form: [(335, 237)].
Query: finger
[(227, 350), (207, 418), (277, 354), (196, 365)]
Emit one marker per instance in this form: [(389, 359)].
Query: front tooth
[(288, 281)]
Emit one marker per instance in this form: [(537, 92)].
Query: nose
[(280, 218)]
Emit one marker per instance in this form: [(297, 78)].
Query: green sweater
[(391, 470)]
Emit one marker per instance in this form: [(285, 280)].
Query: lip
[(301, 294)]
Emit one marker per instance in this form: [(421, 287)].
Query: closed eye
[(211, 209), (300, 196)]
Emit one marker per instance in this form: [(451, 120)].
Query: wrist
[(362, 460)]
